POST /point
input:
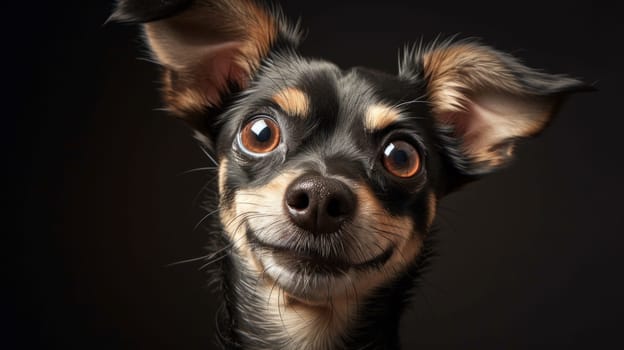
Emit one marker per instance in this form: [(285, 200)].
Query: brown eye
[(260, 135), (401, 159)]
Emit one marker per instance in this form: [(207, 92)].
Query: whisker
[(204, 219), (208, 155), (212, 261), (197, 170), (204, 257), (205, 188)]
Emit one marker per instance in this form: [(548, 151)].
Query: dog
[(329, 179)]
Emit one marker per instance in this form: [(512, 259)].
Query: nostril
[(298, 201)]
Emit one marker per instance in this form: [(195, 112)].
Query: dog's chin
[(314, 280)]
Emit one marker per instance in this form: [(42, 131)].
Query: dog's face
[(325, 176), (329, 178)]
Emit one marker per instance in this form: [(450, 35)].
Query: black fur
[(333, 112), (332, 140)]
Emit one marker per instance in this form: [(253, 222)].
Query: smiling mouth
[(312, 263)]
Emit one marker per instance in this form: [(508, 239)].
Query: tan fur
[(238, 30), (453, 71), (433, 208), (494, 119), (400, 230), (307, 327), (183, 100), (223, 167), (227, 211), (293, 101), (407, 245), (312, 325), (379, 116), (471, 89)]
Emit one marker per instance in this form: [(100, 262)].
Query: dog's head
[(329, 177)]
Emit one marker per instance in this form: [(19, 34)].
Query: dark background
[(530, 257)]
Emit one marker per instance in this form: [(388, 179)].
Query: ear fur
[(484, 100), (206, 47)]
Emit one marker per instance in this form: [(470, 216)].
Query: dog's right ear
[(208, 48)]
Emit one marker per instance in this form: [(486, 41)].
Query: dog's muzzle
[(318, 204)]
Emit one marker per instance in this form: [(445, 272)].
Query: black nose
[(319, 204)]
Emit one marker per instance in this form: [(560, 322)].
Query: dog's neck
[(259, 315)]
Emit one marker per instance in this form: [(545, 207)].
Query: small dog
[(329, 179)]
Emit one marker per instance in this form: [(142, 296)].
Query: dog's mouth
[(307, 274), (310, 262)]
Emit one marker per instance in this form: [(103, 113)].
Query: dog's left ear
[(483, 100), (207, 48)]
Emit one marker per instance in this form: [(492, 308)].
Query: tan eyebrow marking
[(293, 101), (379, 116)]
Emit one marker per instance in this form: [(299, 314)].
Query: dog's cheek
[(232, 225), (229, 184), (397, 229), (422, 220), (268, 200), (223, 165), (423, 211), (401, 261), (227, 203), (240, 207), (409, 231)]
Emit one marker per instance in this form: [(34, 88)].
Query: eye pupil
[(260, 135), (261, 130), (401, 159)]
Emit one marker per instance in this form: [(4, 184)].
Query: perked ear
[(483, 100), (207, 47)]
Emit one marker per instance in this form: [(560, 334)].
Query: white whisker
[(207, 256), (208, 155), (204, 218), (208, 168)]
